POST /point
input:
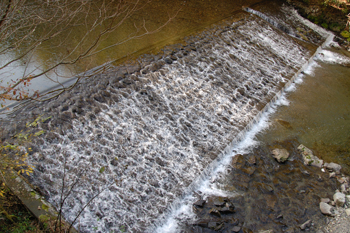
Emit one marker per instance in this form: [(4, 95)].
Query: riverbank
[(329, 15), (15, 217)]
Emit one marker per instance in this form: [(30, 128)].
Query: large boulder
[(309, 158), (281, 155)]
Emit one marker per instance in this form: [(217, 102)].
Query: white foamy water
[(332, 58), (209, 187)]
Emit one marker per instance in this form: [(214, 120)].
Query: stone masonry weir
[(139, 135)]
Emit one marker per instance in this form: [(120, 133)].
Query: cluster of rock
[(273, 196), (340, 199), (218, 206)]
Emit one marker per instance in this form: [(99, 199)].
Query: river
[(149, 137)]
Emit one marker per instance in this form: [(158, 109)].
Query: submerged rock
[(305, 225), (215, 212), (219, 201), (266, 231), (199, 203), (281, 155), (228, 208), (235, 229), (309, 158), (285, 124)]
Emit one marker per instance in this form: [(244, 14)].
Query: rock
[(326, 209), (251, 160), (332, 175), (348, 211), (99, 98), (305, 173), (309, 158), (66, 116), (289, 230), (168, 60), (343, 188), (305, 225), (199, 203), (325, 200), (227, 209), (339, 199), (319, 178), (114, 162), (347, 198), (343, 179), (201, 223), (266, 231), (281, 155), (212, 224), (219, 227), (235, 229), (219, 201), (249, 170), (215, 212), (333, 167), (285, 124)]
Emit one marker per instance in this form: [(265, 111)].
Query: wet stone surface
[(267, 195)]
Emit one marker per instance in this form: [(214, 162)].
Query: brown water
[(318, 115), (167, 22), (174, 19)]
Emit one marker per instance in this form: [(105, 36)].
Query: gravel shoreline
[(337, 224)]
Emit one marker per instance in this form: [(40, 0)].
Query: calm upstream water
[(167, 21), (144, 139)]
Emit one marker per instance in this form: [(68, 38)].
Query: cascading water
[(134, 142)]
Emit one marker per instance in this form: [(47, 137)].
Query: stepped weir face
[(135, 138)]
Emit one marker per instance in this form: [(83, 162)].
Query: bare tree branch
[(24, 30)]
